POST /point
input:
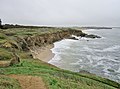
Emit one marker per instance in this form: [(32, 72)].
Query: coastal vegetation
[(17, 59)]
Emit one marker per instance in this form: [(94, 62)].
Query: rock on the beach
[(73, 38), (92, 36)]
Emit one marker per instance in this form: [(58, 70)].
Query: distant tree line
[(6, 26), (1, 24)]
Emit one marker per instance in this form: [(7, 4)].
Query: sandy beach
[(43, 53)]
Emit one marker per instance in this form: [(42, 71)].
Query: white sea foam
[(58, 49), (77, 37), (86, 48), (118, 70), (110, 58), (106, 71), (84, 38), (55, 59), (89, 57), (62, 44), (112, 48), (109, 49), (76, 63)]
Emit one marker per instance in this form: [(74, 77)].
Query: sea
[(100, 56)]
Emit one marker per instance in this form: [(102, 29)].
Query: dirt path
[(29, 82)]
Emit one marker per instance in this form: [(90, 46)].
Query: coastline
[(33, 48), (43, 53)]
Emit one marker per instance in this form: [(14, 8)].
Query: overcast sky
[(61, 12)]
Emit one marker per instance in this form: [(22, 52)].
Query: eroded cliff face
[(47, 38), (29, 43)]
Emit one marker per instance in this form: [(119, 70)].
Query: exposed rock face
[(30, 42), (15, 59), (47, 38)]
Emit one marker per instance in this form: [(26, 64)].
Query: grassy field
[(56, 78), (53, 77)]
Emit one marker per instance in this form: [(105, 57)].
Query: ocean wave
[(118, 70), (109, 49), (77, 37), (86, 48), (95, 55), (112, 48), (76, 63), (89, 57), (64, 43), (84, 38)]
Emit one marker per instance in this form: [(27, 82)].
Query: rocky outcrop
[(74, 38), (29, 42), (15, 59), (48, 38), (92, 36)]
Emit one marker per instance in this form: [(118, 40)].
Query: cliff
[(46, 38), (24, 39)]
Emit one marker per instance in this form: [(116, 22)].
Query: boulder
[(92, 36), (73, 38)]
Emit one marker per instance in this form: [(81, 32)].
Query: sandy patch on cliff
[(29, 82), (43, 53)]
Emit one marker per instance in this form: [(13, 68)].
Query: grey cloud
[(61, 12)]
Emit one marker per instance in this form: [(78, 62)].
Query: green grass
[(8, 83), (2, 41), (56, 78), (30, 31), (2, 36), (5, 54)]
